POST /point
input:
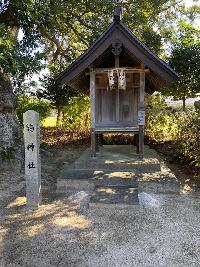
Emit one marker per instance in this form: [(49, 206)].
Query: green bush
[(77, 114), (27, 103), (182, 129), (155, 102), (187, 142), (160, 120)]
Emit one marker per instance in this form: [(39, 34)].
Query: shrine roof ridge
[(67, 75)]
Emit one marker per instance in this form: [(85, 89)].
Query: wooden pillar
[(97, 142), (141, 141), (137, 143), (92, 112), (117, 89), (93, 143), (100, 139), (141, 113)]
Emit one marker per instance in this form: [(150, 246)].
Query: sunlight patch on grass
[(49, 122)]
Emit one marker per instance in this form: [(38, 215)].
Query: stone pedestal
[(32, 159)]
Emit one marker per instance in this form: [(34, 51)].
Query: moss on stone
[(8, 153)]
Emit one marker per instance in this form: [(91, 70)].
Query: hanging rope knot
[(121, 79), (111, 79)]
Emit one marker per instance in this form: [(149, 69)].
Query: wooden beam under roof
[(127, 69)]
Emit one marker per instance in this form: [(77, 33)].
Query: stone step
[(132, 167), (70, 173), (160, 182), (120, 158), (150, 182), (115, 195), (109, 176), (159, 186), (68, 185), (162, 185), (117, 182)]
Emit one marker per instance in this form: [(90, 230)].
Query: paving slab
[(115, 195), (119, 157), (69, 173)]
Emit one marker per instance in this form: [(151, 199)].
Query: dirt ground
[(162, 231)]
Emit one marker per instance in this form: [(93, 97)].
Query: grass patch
[(49, 122)]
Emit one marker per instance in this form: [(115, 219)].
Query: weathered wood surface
[(141, 140), (141, 108), (117, 129), (131, 43), (142, 91), (117, 13), (106, 107), (116, 69), (93, 143), (106, 102), (117, 90), (92, 98)]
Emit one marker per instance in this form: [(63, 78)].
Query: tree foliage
[(181, 129), (56, 32), (185, 60), (77, 114), (32, 103), (60, 30), (58, 95)]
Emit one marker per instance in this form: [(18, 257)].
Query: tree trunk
[(59, 117), (184, 99), (11, 140)]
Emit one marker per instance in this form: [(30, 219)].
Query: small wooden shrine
[(117, 70)]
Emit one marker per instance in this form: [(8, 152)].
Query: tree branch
[(59, 49), (79, 34), (6, 16), (79, 19)]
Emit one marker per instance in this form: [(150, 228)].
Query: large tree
[(62, 29), (58, 95), (59, 30), (185, 60)]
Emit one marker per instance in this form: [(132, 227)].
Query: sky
[(189, 3)]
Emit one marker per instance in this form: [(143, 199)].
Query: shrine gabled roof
[(118, 30)]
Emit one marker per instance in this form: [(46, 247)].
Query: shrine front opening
[(117, 98)]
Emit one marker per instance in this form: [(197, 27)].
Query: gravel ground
[(162, 230)]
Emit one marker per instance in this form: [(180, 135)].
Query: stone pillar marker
[(32, 159)]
